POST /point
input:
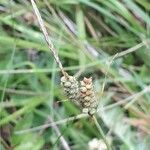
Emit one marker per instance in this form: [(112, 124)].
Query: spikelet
[(71, 88), (87, 96)]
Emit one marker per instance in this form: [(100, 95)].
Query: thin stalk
[(51, 124), (47, 39), (101, 132)]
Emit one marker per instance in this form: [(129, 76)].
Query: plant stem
[(47, 39), (101, 132)]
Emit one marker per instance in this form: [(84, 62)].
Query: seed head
[(71, 88), (88, 100)]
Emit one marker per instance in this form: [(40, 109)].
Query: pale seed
[(67, 84), (83, 89), (88, 92), (89, 86), (71, 91), (82, 83), (85, 110), (63, 79), (86, 104), (87, 98), (71, 79)]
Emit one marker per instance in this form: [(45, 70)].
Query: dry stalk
[(47, 39)]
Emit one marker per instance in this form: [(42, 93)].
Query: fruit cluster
[(88, 100), (83, 96), (71, 88)]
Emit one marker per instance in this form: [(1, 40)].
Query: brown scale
[(87, 96)]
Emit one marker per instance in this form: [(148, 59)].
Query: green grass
[(87, 34)]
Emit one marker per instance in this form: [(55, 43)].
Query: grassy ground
[(86, 33)]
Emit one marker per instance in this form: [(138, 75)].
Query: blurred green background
[(86, 33)]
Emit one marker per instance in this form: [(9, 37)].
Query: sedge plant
[(83, 94)]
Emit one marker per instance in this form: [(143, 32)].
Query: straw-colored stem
[(47, 39)]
